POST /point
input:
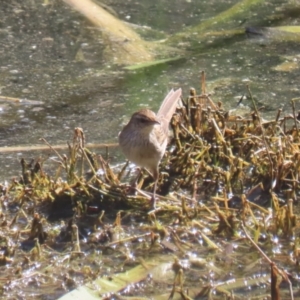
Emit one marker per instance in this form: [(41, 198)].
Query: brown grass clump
[(227, 183)]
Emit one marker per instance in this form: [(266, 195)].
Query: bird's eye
[(143, 120)]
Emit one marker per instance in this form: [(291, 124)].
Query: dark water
[(52, 55)]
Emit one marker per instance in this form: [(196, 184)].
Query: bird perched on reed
[(144, 139)]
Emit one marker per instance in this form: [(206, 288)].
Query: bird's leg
[(138, 177), (153, 198), (134, 182)]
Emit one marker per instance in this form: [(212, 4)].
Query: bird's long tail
[(168, 107)]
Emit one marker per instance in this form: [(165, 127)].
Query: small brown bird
[(144, 139)]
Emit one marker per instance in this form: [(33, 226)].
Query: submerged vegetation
[(228, 182)]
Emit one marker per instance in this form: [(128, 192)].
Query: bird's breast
[(144, 148)]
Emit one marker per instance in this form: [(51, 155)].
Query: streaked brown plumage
[(144, 139)]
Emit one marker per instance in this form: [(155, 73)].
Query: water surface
[(52, 55)]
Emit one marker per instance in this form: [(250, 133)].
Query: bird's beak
[(154, 121)]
